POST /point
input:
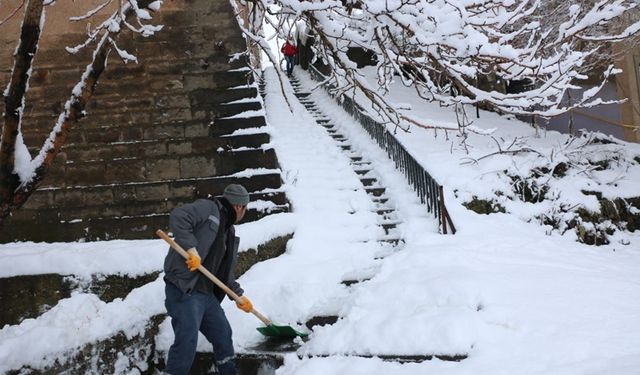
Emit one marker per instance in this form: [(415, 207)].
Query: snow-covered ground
[(513, 298)]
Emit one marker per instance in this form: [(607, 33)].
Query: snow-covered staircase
[(361, 165), (125, 166), (266, 357)]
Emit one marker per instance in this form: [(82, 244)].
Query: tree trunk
[(14, 104)]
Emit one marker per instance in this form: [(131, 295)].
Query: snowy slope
[(512, 298)]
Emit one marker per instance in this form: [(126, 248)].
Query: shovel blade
[(273, 330)]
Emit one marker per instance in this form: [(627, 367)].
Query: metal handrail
[(426, 187)]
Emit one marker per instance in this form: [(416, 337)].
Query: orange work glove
[(194, 261), (244, 304)]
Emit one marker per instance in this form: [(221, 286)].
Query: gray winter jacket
[(196, 225)]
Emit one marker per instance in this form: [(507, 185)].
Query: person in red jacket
[(289, 51)]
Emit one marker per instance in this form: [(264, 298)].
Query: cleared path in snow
[(348, 222)]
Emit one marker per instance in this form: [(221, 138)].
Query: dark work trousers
[(291, 60), (190, 314)]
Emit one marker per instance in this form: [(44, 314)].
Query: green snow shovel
[(270, 329)]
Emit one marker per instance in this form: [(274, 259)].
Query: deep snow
[(513, 298)]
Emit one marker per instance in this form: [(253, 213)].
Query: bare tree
[(443, 48), (20, 174)]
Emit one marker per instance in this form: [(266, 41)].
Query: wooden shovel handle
[(208, 274)]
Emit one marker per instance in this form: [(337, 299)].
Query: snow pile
[(84, 318)]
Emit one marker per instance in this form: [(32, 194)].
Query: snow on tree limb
[(13, 13), (253, 33), (19, 174), (14, 98), (446, 48), (90, 13)]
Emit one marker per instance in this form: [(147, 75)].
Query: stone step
[(400, 358), (93, 229), (157, 168), (106, 103), (118, 96), (392, 240), (352, 282), (387, 214), (380, 199), (375, 191), (388, 227), (362, 172), (321, 321), (223, 110), (246, 363), (152, 148), (213, 96), (368, 181), (253, 214), (228, 126), (99, 209), (44, 291), (255, 184), (124, 133), (46, 225), (279, 198), (155, 191)]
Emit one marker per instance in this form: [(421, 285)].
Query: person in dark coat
[(289, 51), (205, 228)]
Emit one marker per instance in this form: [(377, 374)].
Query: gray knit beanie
[(236, 195)]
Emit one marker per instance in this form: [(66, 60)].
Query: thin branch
[(13, 13)]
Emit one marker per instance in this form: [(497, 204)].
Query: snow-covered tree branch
[(20, 174), (447, 48)]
